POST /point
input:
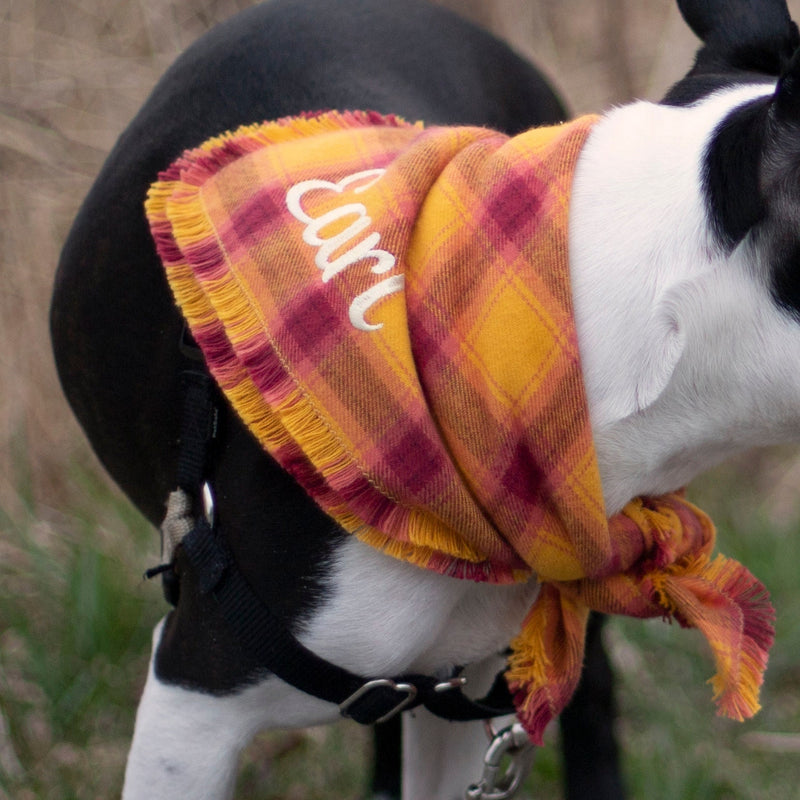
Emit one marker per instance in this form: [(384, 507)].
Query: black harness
[(261, 634)]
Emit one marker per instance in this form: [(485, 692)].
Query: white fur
[(686, 359), (384, 616)]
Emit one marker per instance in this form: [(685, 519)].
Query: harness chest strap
[(188, 532), (265, 637), (271, 645)]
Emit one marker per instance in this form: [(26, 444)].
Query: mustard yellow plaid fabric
[(387, 306)]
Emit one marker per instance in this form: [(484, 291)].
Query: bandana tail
[(547, 659), (733, 611), (720, 598)]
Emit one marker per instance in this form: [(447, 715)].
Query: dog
[(682, 241)]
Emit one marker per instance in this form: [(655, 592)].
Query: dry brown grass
[(73, 73)]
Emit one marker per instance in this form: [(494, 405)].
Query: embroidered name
[(366, 248)]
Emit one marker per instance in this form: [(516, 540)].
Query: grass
[(674, 745), (75, 620)]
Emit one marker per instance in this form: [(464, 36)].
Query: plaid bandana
[(388, 308)]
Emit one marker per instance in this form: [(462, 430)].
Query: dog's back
[(114, 325)]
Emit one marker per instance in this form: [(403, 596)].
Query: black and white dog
[(685, 261)]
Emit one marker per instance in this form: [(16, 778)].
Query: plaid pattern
[(388, 308)]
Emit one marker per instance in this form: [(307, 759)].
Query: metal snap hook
[(496, 784)]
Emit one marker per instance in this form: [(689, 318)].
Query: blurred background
[(75, 615)]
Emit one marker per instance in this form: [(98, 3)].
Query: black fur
[(751, 172), (785, 275), (781, 178), (115, 328), (588, 725), (752, 180), (387, 763), (732, 175), (745, 41)]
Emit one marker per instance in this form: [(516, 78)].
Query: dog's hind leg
[(588, 741), (387, 759)]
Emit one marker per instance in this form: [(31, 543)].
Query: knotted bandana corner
[(387, 307)]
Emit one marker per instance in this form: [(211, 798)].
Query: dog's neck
[(681, 343)]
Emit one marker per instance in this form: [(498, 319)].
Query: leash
[(190, 524)]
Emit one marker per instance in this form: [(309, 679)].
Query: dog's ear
[(742, 35), (661, 351), (743, 40)]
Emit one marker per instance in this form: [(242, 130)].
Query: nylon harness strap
[(261, 633)]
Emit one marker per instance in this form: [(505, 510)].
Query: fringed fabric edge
[(731, 608), (546, 659), (254, 376), (719, 597)]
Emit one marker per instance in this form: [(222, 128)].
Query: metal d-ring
[(408, 690)]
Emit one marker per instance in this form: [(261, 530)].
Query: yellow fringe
[(294, 421), (289, 128)]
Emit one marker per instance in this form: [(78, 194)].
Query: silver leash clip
[(496, 783)]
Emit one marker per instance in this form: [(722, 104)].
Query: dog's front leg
[(186, 743), (440, 758)]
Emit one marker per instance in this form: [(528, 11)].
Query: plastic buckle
[(381, 683)]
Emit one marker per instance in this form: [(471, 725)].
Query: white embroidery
[(363, 249), (367, 299)]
